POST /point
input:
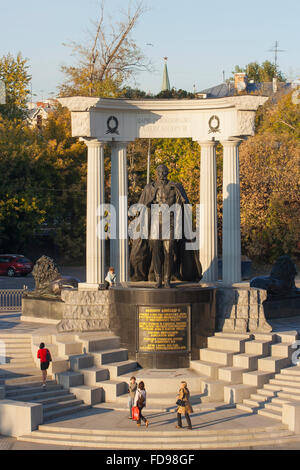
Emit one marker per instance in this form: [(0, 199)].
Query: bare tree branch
[(112, 55)]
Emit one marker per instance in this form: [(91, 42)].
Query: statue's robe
[(186, 263)]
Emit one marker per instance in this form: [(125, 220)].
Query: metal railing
[(11, 300)]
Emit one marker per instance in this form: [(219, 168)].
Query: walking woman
[(45, 358), (140, 402), (184, 406)]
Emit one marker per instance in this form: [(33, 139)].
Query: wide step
[(183, 439), (109, 356), (48, 416)]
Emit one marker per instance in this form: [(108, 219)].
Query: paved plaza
[(223, 421), (210, 418)]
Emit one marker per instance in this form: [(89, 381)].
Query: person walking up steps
[(140, 402), (45, 358), (132, 388), (184, 406)]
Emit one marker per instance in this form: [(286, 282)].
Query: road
[(28, 281)]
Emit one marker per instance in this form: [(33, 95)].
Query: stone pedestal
[(208, 212), (85, 311), (231, 213), (95, 247), (241, 310), (163, 328), (119, 254)]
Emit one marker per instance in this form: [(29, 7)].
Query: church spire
[(166, 81)]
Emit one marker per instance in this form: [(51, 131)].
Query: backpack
[(48, 357)]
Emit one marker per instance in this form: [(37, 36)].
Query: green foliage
[(14, 73), (175, 94), (19, 217), (260, 73), (43, 186), (133, 93), (282, 117)]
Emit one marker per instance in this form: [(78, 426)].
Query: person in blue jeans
[(132, 388)]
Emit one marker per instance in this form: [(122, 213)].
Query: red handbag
[(135, 413)]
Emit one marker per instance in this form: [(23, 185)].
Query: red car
[(15, 265)]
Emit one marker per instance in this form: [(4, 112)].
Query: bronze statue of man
[(162, 246), (163, 254)]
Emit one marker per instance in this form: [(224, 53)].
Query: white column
[(231, 213), (95, 247), (208, 212), (119, 252)]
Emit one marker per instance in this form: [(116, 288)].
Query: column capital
[(119, 145), (90, 142), (208, 143), (231, 143)]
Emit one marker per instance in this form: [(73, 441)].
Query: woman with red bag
[(140, 402)]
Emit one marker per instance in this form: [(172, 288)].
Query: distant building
[(39, 112), (241, 86)]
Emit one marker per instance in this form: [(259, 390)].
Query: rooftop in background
[(242, 86)]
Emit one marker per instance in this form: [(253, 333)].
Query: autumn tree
[(270, 183), (111, 58), (14, 74), (260, 73)]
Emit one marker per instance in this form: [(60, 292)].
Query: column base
[(86, 286)]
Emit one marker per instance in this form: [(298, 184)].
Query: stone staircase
[(269, 400), (92, 368), (234, 366), (231, 369), (57, 402), (17, 364), (129, 439), (20, 379), (98, 371)]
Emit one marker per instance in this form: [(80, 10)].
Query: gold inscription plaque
[(163, 329)]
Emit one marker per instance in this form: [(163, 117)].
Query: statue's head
[(162, 172)]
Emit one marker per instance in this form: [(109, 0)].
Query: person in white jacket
[(111, 278), (140, 402)]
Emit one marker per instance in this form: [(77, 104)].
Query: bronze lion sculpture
[(48, 279), (281, 282)]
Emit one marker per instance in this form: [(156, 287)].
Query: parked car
[(15, 265)]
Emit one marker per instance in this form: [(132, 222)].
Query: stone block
[(253, 296), (226, 301), (74, 297), (90, 395), (19, 418), (253, 324), (237, 393), (42, 308), (291, 416), (229, 325), (83, 325), (70, 379), (242, 311), (243, 297), (241, 325), (213, 389), (81, 362), (262, 296)]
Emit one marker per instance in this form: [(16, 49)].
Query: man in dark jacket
[(163, 253)]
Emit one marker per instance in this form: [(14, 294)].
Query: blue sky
[(200, 38)]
